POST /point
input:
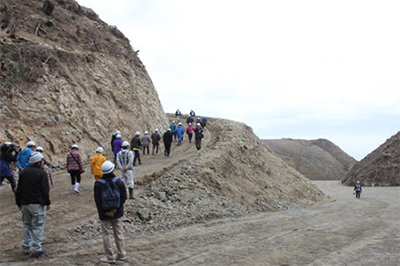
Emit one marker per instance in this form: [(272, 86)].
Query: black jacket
[(199, 133), (167, 137), (33, 187), (136, 142), (97, 198)]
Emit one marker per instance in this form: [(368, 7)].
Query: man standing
[(198, 136), (109, 219), (125, 163), (31, 197), (178, 115), (167, 138), (155, 139)]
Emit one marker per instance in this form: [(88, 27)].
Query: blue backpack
[(110, 194)]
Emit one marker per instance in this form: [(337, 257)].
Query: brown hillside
[(68, 77), (381, 167), (316, 159)]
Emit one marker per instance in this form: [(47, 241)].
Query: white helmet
[(117, 132), (146, 132), (137, 133), (125, 144), (39, 149), (156, 130), (100, 149), (107, 167), (74, 146), (180, 124), (118, 136), (35, 157), (358, 182), (30, 144)]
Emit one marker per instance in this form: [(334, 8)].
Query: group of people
[(32, 193)]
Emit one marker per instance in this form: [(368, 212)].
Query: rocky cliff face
[(316, 159), (67, 77), (381, 167)]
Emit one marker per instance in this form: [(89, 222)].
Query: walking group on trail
[(32, 191)]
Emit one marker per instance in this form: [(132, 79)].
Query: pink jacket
[(72, 164)]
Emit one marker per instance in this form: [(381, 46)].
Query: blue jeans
[(34, 219)]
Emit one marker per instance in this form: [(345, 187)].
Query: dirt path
[(346, 231)]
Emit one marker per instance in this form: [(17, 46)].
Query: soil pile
[(380, 168), (67, 77), (316, 159)]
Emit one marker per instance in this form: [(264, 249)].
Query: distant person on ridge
[(173, 129), (178, 115), (192, 113), (125, 164), (167, 138), (358, 189), (189, 120), (136, 146), (146, 142), (155, 139), (96, 162), (198, 136), (189, 131), (203, 122), (180, 131), (75, 167)]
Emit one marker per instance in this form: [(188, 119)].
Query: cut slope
[(381, 167), (70, 78)]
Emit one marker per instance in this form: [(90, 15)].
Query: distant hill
[(381, 167), (316, 159)]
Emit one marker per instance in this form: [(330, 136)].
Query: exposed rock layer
[(70, 78)]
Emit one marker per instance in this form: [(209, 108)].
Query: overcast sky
[(289, 69)]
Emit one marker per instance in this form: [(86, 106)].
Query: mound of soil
[(379, 168), (316, 159)]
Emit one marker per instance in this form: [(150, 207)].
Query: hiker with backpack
[(110, 196), (178, 115), (189, 131), (167, 139), (358, 189), (125, 163), (75, 167), (23, 156), (198, 136), (96, 162), (155, 139)]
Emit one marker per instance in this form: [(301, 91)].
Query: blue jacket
[(5, 169), (97, 198), (23, 158), (180, 131)]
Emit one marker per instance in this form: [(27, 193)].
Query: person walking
[(146, 142), (75, 167), (136, 146), (23, 156), (178, 115), (180, 131), (358, 189), (192, 113), (96, 162), (117, 145), (41, 150), (113, 138), (189, 131), (167, 139), (125, 163), (173, 129), (8, 156), (110, 219), (155, 139), (33, 199), (198, 136), (189, 120)]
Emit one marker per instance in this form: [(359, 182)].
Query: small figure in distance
[(198, 136), (155, 139), (146, 143), (178, 115), (358, 189), (192, 113)]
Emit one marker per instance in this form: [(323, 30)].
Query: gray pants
[(128, 178), (34, 219)]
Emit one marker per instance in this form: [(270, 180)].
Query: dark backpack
[(110, 194), (358, 187)]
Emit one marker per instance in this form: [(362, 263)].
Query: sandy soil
[(343, 232)]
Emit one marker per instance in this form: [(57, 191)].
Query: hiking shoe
[(39, 253), (121, 258), (107, 260)]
